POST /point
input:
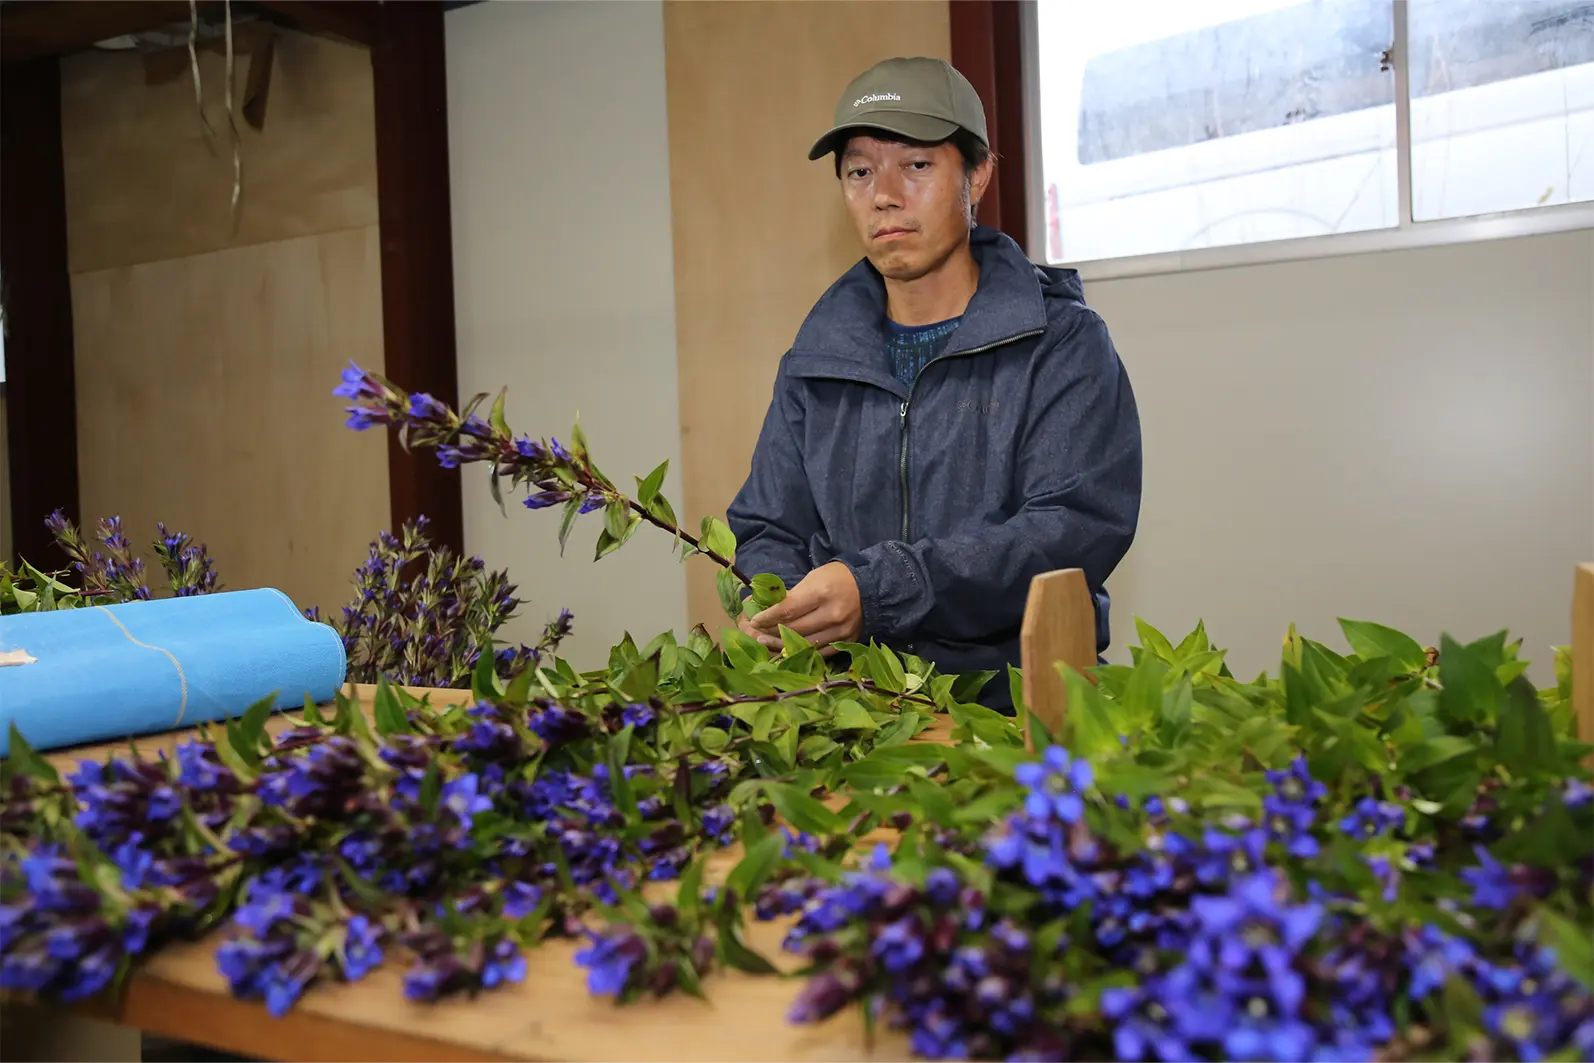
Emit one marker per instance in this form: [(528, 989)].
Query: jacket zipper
[(902, 415)]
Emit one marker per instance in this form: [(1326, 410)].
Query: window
[(1186, 125)]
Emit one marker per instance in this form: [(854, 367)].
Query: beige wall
[(207, 345), (759, 230), (563, 288), (1406, 437)]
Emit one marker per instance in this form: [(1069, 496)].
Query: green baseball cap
[(919, 98)]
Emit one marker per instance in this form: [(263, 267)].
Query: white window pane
[(1175, 124), (1502, 105)]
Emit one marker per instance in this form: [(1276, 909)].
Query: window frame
[(1408, 234)]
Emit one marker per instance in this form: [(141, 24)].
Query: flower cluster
[(323, 845), (422, 616), (114, 573), (552, 473), (1183, 940)]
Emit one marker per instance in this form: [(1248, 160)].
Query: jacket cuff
[(868, 594), (880, 589)]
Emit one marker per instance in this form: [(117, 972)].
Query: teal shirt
[(909, 348)]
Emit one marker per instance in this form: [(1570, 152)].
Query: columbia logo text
[(876, 97), (978, 405)]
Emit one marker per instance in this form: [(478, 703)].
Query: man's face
[(910, 205)]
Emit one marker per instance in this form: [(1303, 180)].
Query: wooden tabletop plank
[(179, 993)]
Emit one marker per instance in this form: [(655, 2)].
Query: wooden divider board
[(1059, 628)]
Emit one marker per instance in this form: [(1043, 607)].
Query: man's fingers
[(791, 611), (827, 635)]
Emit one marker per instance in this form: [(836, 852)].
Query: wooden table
[(178, 993)]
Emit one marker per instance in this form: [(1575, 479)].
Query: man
[(951, 420)]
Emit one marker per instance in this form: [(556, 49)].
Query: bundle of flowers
[(1382, 855), (421, 615)]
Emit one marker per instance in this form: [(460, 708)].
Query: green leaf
[(1177, 707), (966, 686), (850, 715), (606, 544), (617, 520), (1155, 641), (1131, 780), (1434, 751), (754, 867), (1525, 741), (640, 681), (730, 592), (252, 727), (244, 735), (496, 418), (1460, 1005), (518, 692), (431, 785), (228, 754), (1142, 703), (768, 590), (617, 752), (699, 641), (934, 799), (1219, 793), (1095, 735), (1015, 689), (802, 811), (388, 714), (648, 489), (887, 669), (793, 644), (1469, 691), (786, 745), (732, 948), (1563, 675), (716, 537), (572, 510), (1193, 643), (484, 685), (988, 808), (1371, 641), (24, 759), (1574, 950)]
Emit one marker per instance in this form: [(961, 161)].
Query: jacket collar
[(845, 325)]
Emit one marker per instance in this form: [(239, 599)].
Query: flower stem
[(690, 540)]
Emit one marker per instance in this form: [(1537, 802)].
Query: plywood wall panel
[(204, 400), (759, 231), (144, 183)]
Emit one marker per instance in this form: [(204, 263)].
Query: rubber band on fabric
[(181, 677)]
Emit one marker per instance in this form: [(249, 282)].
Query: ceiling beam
[(34, 29), (353, 19)]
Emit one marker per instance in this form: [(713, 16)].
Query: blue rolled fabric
[(111, 672)]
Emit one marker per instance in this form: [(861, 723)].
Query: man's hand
[(823, 608)]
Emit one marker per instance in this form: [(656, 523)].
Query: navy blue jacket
[(1016, 451)]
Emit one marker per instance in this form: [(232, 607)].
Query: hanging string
[(193, 65), (232, 119)]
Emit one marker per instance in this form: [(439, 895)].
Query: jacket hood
[(1015, 296)]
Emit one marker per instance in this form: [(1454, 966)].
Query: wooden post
[(1059, 625), (1583, 653)]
